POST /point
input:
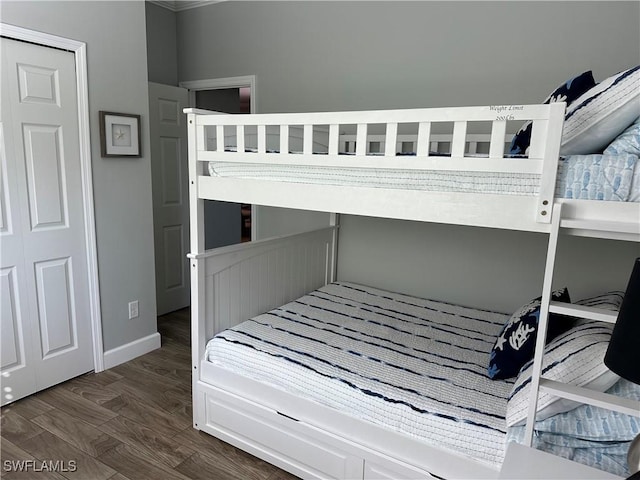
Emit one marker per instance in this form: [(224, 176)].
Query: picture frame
[(120, 135)]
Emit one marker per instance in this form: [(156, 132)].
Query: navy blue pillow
[(516, 343), (567, 92)]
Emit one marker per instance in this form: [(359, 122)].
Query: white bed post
[(197, 267), (547, 140), (334, 221)]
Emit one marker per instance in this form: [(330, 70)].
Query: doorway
[(236, 217), (229, 95), (226, 223)]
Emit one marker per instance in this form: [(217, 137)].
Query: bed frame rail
[(476, 143), (213, 135)]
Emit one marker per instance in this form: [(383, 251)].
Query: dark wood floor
[(130, 422)]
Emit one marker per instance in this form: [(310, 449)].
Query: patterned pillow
[(628, 142), (601, 114), (596, 177), (516, 343), (575, 357), (567, 92)]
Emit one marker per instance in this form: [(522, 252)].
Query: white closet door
[(170, 174), (46, 328), (16, 360)]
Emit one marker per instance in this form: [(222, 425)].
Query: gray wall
[(117, 68), (361, 55), (318, 56), (162, 53), (479, 267)]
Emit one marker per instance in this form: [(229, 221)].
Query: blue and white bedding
[(410, 365), (614, 175), (599, 177), (589, 435), (418, 367)]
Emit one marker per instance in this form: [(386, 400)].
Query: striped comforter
[(411, 365)]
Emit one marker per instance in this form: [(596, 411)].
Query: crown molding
[(180, 5)]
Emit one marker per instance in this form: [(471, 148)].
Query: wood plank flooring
[(130, 422)]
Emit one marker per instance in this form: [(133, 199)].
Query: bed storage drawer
[(268, 435), (392, 470)]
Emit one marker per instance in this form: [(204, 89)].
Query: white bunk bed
[(230, 285)]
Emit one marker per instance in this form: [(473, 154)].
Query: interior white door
[(169, 173), (44, 297)]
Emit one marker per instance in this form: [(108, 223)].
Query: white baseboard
[(131, 350)]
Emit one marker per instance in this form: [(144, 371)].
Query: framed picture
[(120, 135)]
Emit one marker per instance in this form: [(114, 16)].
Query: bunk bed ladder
[(543, 321), (618, 230)]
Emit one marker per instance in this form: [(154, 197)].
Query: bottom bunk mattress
[(411, 365)]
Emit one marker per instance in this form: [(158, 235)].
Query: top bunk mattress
[(411, 365), (583, 177)]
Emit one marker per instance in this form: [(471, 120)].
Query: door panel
[(18, 372), (45, 188), (169, 172), (38, 84), (12, 353), (170, 166), (174, 275), (58, 327), (43, 244)]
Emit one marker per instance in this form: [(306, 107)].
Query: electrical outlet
[(133, 309)]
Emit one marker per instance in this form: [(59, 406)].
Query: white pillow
[(601, 114), (575, 357)]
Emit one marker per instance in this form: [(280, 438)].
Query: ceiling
[(179, 5)]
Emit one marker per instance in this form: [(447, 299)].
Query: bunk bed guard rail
[(222, 137)]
